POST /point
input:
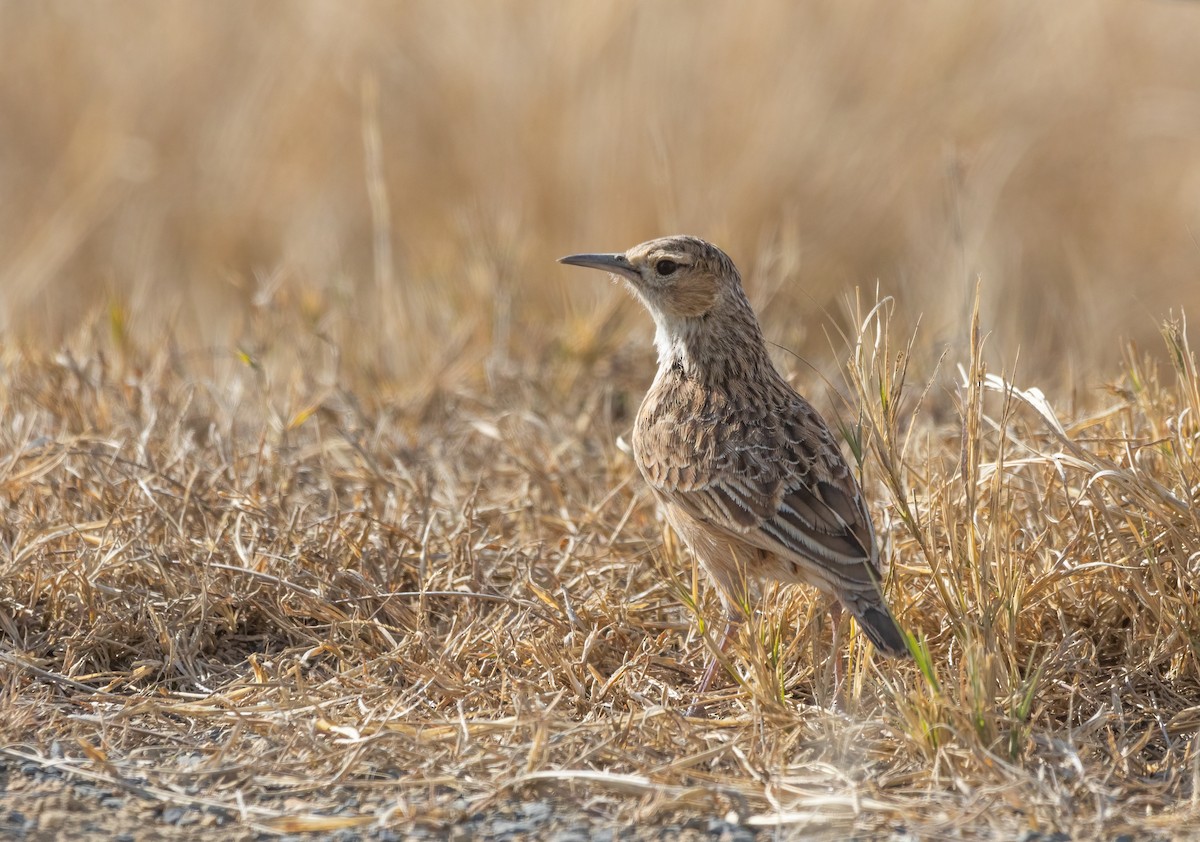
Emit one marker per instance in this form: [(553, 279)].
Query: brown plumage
[(745, 470)]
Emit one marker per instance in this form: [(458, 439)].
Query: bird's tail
[(880, 627)]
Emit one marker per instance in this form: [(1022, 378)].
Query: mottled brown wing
[(777, 483)]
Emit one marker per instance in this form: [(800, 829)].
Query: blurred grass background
[(184, 162)]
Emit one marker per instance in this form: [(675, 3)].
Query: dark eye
[(666, 267)]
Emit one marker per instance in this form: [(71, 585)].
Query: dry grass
[(308, 453), (222, 588)]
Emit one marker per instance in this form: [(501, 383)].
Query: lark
[(746, 472)]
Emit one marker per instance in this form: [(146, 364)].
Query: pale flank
[(745, 470)]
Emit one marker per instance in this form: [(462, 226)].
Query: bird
[(746, 472)]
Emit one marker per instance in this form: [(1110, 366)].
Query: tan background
[(179, 159)]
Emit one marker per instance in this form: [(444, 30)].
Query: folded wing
[(779, 484)]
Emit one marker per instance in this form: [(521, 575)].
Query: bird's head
[(677, 278), (694, 292)]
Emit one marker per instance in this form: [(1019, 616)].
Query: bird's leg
[(697, 708), (835, 617)]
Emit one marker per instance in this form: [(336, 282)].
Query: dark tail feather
[(882, 629)]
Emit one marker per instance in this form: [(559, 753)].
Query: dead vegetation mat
[(266, 582)]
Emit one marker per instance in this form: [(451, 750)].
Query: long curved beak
[(615, 263)]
